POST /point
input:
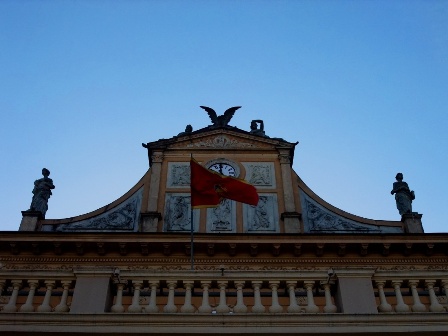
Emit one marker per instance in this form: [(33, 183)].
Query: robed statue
[(42, 192), (403, 195)]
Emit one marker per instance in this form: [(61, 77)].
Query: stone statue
[(254, 127), (403, 195), (222, 120), (188, 130), (42, 192)]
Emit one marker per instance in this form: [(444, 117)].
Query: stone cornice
[(249, 324)]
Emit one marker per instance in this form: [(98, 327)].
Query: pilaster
[(151, 218), (290, 216), (355, 293)]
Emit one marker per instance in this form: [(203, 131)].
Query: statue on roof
[(42, 192), (222, 120), (188, 130), (403, 195), (254, 127)]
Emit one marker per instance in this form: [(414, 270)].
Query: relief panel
[(124, 217), (260, 174), (263, 217), (178, 175), (317, 218), (222, 218), (177, 216)]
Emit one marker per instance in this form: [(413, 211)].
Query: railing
[(225, 292), (33, 295), (407, 292), (230, 293)]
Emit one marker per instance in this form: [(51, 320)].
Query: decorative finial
[(254, 127), (222, 120)]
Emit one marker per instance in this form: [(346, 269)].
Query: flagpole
[(191, 241), (191, 225)]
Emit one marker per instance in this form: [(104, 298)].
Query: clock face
[(223, 169)]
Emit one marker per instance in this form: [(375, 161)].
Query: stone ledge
[(225, 324)]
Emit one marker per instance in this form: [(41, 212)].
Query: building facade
[(292, 265)]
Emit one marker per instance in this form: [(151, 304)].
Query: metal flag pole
[(191, 223), (191, 240)]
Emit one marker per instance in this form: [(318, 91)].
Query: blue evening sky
[(362, 85)]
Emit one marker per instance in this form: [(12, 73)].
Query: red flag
[(209, 187)]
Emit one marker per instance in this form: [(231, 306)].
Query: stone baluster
[(257, 307), (205, 306), (435, 305), (293, 306), (240, 307), (275, 306), (62, 307), (329, 306), (45, 306), (118, 306), (222, 307), (135, 305), (401, 307), (152, 305), (311, 306), (10, 307), (445, 286), (28, 306), (384, 306), (2, 286), (418, 306), (170, 307), (188, 307)]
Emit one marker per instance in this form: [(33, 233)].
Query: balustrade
[(233, 293), (400, 295), (196, 293), (34, 295)]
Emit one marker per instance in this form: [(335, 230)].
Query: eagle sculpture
[(222, 120)]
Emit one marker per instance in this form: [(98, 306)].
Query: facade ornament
[(41, 193), (157, 157), (284, 157), (221, 141), (254, 127), (403, 195), (222, 120), (188, 130)]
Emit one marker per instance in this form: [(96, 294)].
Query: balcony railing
[(223, 292)]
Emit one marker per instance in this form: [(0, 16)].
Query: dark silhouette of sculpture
[(222, 120), (42, 192), (188, 130), (254, 127), (403, 195)]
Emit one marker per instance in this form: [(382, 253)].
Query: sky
[(362, 85)]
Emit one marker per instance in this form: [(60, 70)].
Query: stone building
[(292, 265)]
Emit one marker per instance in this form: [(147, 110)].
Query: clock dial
[(223, 169)]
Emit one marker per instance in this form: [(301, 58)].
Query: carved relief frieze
[(178, 175), (124, 217), (222, 218), (178, 213), (260, 174), (221, 141), (263, 217), (317, 218)]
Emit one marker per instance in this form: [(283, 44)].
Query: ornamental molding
[(221, 141), (67, 264)]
